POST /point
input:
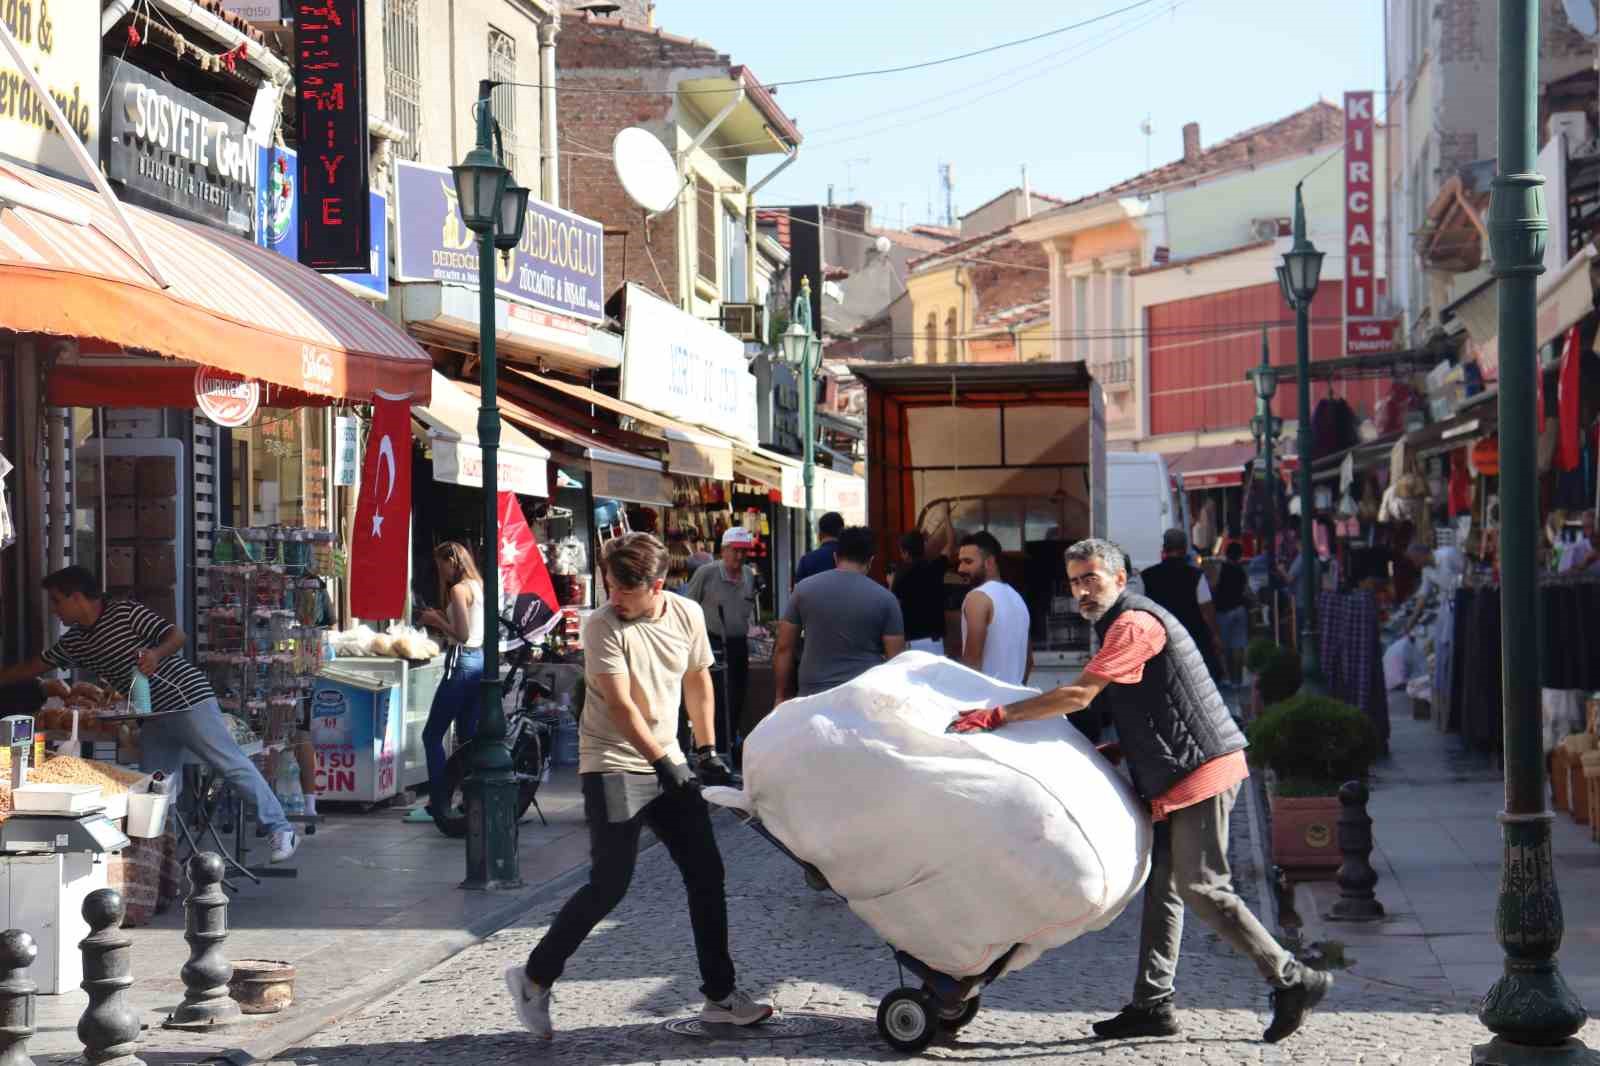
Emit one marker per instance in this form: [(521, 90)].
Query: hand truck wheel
[(953, 1019), (908, 1019)]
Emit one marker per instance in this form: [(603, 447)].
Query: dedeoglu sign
[(166, 146)]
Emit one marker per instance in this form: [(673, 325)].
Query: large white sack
[(952, 848)]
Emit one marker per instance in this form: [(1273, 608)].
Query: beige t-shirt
[(654, 654)]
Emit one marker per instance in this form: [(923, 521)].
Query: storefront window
[(279, 463)]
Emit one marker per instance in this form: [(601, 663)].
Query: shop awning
[(1215, 466), (67, 270), (1565, 297), (451, 418), (447, 315)]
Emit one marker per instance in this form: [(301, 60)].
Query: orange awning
[(228, 303)]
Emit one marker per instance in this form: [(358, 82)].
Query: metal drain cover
[(781, 1026)]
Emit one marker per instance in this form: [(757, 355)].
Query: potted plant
[(1277, 675), (1312, 745)]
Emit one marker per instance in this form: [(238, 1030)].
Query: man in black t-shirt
[(918, 583), (1232, 602), (113, 639)]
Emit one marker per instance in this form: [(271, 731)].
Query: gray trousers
[(1189, 868), (203, 734)]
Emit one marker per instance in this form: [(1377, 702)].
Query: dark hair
[(984, 541), (1174, 540), (74, 580), (1110, 556), (914, 544), (830, 524), (857, 545), (1235, 552), (636, 559)]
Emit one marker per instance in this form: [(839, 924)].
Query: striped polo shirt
[(110, 649)]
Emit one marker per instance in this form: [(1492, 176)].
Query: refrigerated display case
[(357, 726)]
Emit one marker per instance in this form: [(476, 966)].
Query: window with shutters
[(735, 257), (705, 223), (503, 68), (402, 68)]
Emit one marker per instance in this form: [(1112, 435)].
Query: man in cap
[(726, 590)]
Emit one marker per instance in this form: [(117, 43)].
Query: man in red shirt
[(1186, 757)]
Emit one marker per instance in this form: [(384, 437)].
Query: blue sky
[(1069, 107)]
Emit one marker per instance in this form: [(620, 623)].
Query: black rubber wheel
[(908, 1020), (953, 1019), (455, 771)]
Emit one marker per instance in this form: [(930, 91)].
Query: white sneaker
[(531, 1000), (285, 842), (737, 1009)]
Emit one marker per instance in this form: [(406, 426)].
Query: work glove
[(675, 777), (1112, 751), (712, 770), (984, 720)]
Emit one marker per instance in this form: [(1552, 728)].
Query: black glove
[(711, 768), (675, 777)]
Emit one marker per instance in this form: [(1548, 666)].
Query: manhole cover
[(784, 1026)]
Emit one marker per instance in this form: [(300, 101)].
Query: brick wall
[(1460, 23), (1558, 40), (1456, 150)]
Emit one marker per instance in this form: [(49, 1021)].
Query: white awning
[(451, 420), (627, 477), (699, 455)]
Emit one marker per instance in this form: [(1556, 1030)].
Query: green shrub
[(1259, 654), (1280, 677), (1313, 744)]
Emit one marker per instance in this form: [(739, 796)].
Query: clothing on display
[(8, 529), (1351, 659)]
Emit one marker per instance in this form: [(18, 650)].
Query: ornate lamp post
[(803, 351), (1266, 426), (1530, 1009), (496, 211), (1298, 277)]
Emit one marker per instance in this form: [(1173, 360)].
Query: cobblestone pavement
[(815, 958)]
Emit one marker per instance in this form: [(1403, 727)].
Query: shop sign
[(176, 152), (255, 10), (1366, 338), (60, 42), (227, 399), (616, 481), (278, 218), (346, 445), (1360, 252), (329, 46), (677, 365), (559, 266)]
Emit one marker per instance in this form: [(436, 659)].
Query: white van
[(1138, 504)]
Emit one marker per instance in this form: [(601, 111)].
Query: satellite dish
[(1581, 13), (645, 168)]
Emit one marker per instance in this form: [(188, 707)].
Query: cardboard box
[(158, 476), (122, 476), (158, 565), (122, 519), (119, 567), (158, 519), (164, 604)]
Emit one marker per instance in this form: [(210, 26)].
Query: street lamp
[(802, 351), (1298, 278), (1266, 426), (496, 211), (1530, 1009)]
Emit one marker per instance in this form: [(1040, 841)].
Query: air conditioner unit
[(1264, 229), (742, 320)]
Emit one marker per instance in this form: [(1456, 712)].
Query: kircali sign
[(1362, 334), (226, 399)]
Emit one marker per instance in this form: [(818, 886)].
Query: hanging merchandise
[(1460, 491), (8, 529), (525, 585), (1567, 395), (1485, 457)]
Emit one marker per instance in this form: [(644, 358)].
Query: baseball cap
[(738, 537)]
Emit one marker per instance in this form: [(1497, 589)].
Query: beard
[(1094, 610)]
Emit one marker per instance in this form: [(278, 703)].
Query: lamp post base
[(1501, 1052), (492, 860)]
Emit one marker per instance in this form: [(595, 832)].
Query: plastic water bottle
[(287, 786), (139, 693)]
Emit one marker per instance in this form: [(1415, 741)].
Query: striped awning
[(67, 269)]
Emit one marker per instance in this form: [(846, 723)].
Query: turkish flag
[(526, 591), (380, 541)]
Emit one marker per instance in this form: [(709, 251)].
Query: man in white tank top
[(994, 618)]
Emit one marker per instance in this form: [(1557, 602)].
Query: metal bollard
[(109, 1028), (207, 973), (17, 952), (1356, 877)]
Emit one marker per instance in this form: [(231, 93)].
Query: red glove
[(1112, 751), (980, 721)]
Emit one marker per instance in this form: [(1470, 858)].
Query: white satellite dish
[(1581, 13), (645, 168)]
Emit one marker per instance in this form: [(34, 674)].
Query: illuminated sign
[(335, 226)]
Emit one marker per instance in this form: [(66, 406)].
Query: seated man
[(111, 640)]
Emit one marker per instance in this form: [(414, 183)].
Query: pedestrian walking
[(851, 623), (1232, 604), (994, 619), (1183, 590), (726, 591), (918, 583), (824, 555), (456, 702), (644, 651), (115, 639), (1187, 761)]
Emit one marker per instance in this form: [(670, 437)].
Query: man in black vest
[(1187, 761), (1186, 594)]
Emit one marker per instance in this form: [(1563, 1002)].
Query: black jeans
[(731, 685), (682, 823)]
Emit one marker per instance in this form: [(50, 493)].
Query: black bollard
[(109, 1028), (1356, 877), (207, 973), (17, 952)]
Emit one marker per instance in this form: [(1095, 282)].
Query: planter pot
[(1305, 840), (262, 986)]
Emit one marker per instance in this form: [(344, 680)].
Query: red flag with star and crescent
[(380, 541), (526, 591)]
